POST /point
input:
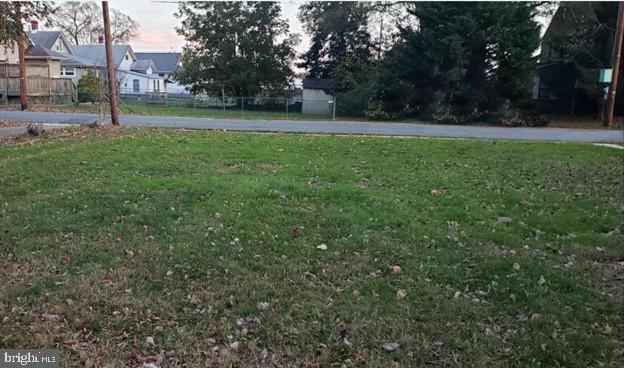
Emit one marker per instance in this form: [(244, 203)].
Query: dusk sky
[(157, 23)]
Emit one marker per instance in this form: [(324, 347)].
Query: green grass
[(178, 236), (200, 112)]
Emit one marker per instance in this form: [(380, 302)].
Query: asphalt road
[(331, 127)]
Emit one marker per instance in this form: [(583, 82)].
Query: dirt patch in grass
[(612, 276)]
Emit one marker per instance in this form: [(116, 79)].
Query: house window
[(70, 72), (126, 57), (161, 74), (135, 85)]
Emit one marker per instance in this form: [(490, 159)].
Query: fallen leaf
[(505, 220), (51, 317), (391, 346), (169, 273), (150, 341), (396, 270), (295, 232), (541, 282), (263, 305), (89, 363), (436, 192), (356, 292), (244, 322), (516, 266), (322, 247), (400, 294)]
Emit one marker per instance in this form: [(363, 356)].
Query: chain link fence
[(230, 106)]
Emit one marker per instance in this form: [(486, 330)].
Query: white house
[(133, 76), (167, 65)]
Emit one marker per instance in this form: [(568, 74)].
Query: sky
[(157, 23)]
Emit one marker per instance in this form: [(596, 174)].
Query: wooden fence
[(37, 82)]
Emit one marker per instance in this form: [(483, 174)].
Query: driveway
[(331, 127)]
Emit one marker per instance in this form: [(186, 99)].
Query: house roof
[(44, 38), (73, 60), (97, 53), (325, 84), (40, 52), (142, 66), (165, 62)]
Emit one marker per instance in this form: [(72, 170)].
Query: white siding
[(146, 83), (315, 101), (125, 64), (60, 46)]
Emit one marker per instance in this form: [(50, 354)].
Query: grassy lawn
[(198, 249), (164, 110)]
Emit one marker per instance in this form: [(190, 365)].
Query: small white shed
[(317, 96)]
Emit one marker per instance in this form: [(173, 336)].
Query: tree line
[(454, 61)]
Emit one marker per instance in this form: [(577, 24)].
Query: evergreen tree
[(341, 43), (466, 58), (12, 26), (242, 47)]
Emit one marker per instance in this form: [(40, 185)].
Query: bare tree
[(123, 27), (83, 23), (78, 20)]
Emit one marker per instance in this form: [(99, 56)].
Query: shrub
[(34, 129), (525, 119), (88, 88)]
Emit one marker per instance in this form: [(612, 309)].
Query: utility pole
[(617, 54), (115, 120), (22, 60)]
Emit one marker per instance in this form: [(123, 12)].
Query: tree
[(83, 23), (463, 60), (12, 25), (341, 42), (244, 48), (123, 27)]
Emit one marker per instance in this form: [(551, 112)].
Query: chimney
[(34, 25), (101, 39)]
